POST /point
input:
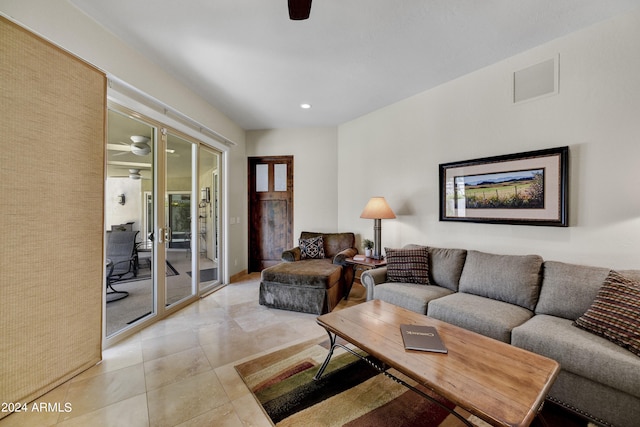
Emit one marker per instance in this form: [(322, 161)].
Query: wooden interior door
[(270, 210)]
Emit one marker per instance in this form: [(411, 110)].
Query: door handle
[(164, 235)]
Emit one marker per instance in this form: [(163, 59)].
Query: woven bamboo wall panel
[(52, 129)]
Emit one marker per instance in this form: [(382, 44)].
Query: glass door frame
[(185, 147), (209, 224), (160, 309)]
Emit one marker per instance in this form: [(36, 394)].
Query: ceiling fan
[(120, 172), (299, 9), (139, 146)]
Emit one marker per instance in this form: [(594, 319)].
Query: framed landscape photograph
[(524, 188)]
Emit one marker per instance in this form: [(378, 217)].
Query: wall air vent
[(536, 81)]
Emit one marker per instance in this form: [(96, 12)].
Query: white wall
[(64, 25), (315, 172), (114, 212), (395, 152)]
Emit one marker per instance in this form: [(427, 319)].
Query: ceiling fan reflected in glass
[(134, 174), (299, 9), (140, 145)]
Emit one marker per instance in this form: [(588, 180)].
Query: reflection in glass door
[(129, 273), (209, 219), (180, 215)]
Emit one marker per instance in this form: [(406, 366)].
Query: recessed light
[(305, 106)]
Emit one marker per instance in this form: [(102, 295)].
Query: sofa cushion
[(580, 352), (561, 281), (510, 278), (408, 265), (482, 315), (411, 296), (312, 248), (615, 313), (445, 267)]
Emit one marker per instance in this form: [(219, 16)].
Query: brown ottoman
[(313, 286)]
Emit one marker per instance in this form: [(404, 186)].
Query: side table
[(361, 264)]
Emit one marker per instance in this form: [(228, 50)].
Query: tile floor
[(180, 371)]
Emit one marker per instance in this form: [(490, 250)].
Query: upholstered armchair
[(312, 276)]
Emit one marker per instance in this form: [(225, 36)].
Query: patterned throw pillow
[(312, 248), (408, 265), (615, 313)]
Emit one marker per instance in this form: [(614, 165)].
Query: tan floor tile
[(175, 367), (165, 327), (227, 342), (250, 412), (154, 348), (277, 335), (204, 315), (231, 381), (183, 400), (125, 354), (32, 416), (256, 319), (237, 293), (310, 330), (131, 412), (244, 308), (220, 355), (102, 390), (220, 333), (224, 416)]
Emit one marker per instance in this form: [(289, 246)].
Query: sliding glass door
[(162, 221), (208, 225), (129, 221), (180, 214)]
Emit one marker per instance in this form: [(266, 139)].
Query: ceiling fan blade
[(299, 9)]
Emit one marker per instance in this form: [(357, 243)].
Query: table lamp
[(377, 209)]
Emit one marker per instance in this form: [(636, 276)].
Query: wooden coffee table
[(499, 383)]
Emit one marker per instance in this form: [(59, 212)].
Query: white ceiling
[(246, 58)]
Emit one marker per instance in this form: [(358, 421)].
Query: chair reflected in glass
[(122, 261)]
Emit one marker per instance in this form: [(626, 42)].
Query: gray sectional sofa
[(532, 304)]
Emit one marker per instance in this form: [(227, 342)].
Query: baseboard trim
[(236, 277)]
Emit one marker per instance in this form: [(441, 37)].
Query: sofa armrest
[(291, 255), (371, 278), (344, 254)]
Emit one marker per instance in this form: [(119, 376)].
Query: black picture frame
[(529, 188)]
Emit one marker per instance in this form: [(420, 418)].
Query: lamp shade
[(377, 208)]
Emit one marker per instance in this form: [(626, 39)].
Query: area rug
[(351, 393)]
